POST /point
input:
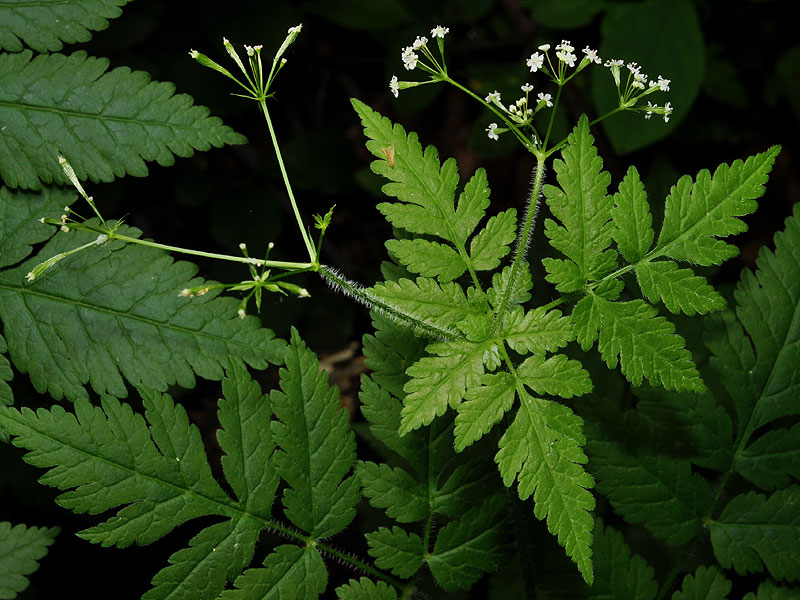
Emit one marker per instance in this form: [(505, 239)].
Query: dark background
[(735, 85)]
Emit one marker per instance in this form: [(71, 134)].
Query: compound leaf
[(520, 294), (21, 548), (770, 591), (707, 583), (772, 459), (584, 210), (317, 446), (491, 244), (537, 331), (542, 449), (483, 407), (365, 589), (632, 219), (470, 545), (396, 550), (429, 259), (679, 289), (289, 572), (557, 376), (46, 26), (644, 344), (617, 573), (113, 312), (440, 381), (697, 213), (754, 531), (107, 124), (394, 490), (6, 375)]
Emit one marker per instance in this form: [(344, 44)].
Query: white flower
[(667, 111), (566, 57), (544, 47), (249, 50), (439, 31), (650, 107), (194, 53), (419, 42), (614, 62), (394, 86), (592, 55), (30, 276), (565, 46), (295, 29), (639, 80), (410, 58), (663, 84), (41, 220), (535, 62), (527, 88), (493, 97), (241, 313), (491, 131), (633, 67), (185, 293), (546, 99)]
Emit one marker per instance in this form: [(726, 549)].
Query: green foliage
[(107, 124), (95, 321), (21, 548), (45, 26)]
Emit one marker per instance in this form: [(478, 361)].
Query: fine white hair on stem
[(394, 313), (533, 204)]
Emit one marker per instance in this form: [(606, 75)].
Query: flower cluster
[(520, 112), (418, 54), (636, 86), (566, 58)]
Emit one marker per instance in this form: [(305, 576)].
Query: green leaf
[(707, 583), (6, 395), (772, 459), (491, 244), (289, 572), (394, 490), (45, 26), (584, 211), (114, 312), (556, 376), (440, 381), (107, 124), (21, 548), (617, 573), (429, 259), (365, 589), (484, 406), (700, 428), (317, 447), (644, 344), (757, 353), (521, 292), (754, 531), (770, 591), (664, 36), (542, 450), (697, 214), (470, 545), (425, 299), (389, 352), (633, 232), (679, 289), (108, 458), (644, 484), (396, 550), (537, 331)]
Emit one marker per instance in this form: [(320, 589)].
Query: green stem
[(358, 564), (523, 239), (552, 117), (309, 246)]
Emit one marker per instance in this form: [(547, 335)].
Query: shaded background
[(735, 75)]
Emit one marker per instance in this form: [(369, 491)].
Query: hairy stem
[(523, 240)]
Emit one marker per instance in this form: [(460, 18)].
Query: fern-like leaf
[(772, 459), (469, 546), (697, 213), (107, 124), (45, 26), (679, 289), (542, 450), (365, 589), (484, 406), (289, 572), (759, 367), (396, 550), (6, 375), (632, 219), (644, 344), (770, 591), (537, 331), (317, 446), (21, 548), (113, 312), (707, 583), (584, 211), (618, 574), (753, 532)]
